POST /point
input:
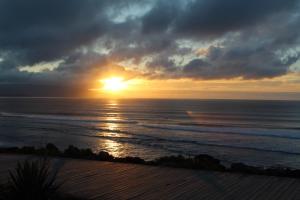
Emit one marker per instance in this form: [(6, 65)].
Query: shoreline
[(199, 162)]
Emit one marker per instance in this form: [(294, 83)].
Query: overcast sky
[(57, 47)]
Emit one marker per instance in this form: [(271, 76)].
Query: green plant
[(32, 180)]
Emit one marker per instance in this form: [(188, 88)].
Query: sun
[(114, 84)]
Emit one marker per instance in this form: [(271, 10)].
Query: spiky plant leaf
[(32, 180)]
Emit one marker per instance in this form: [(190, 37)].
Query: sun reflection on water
[(114, 148), (112, 104), (111, 124)]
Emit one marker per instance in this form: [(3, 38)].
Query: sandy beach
[(107, 180)]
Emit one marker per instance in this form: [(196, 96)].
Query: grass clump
[(34, 180), (31, 180)]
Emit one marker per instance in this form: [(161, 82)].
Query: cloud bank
[(161, 39)]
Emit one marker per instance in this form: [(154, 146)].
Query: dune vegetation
[(200, 162)]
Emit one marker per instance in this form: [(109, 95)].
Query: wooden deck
[(105, 180)]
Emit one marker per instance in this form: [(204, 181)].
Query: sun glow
[(114, 84)]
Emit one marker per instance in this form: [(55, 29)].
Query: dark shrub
[(75, 152), (296, 173), (129, 159), (87, 153), (31, 180), (52, 149), (282, 171), (206, 158), (243, 168), (171, 161), (9, 150), (207, 162), (27, 150), (72, 151), (201, 161), (198, 162), (103, 155)]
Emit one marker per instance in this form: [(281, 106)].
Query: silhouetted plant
[(28, 150), (207, 162), (87, 153), (103, 155), (75, 152), (202, 161), (72, 151), (130, 159), (31, 180), (52, 149)]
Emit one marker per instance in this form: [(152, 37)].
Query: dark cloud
[(40, 90), (215, 17), (249, 39), (238, 62), (38, 31), (160, 17), (211, 17), (196, 67), (263, 51)]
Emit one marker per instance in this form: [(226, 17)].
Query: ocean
[(261, 133)]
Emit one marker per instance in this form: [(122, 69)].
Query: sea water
[(263, 133)]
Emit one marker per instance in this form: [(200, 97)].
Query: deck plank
[(106, 180)]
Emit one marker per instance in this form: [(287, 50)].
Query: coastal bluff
[(109, 180)]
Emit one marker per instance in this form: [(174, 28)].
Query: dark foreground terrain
[(111, 180), (200, 162)]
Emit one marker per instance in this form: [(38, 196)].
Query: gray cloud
[(217, 17), (263, 51), (249, 39), (36, 31), (160, 17)]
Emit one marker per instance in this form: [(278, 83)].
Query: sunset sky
[(224, 49)]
